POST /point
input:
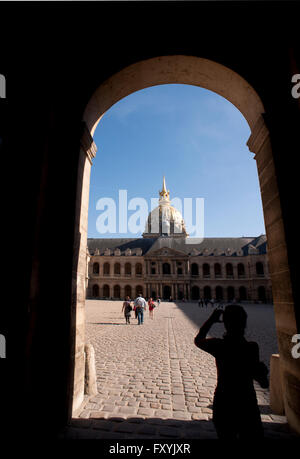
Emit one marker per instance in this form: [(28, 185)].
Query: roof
[(210, 244), (122, 244)]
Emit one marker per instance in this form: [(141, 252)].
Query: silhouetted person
[(235, 410), (127, 308)]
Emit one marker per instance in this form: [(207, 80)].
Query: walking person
[(127, 308), (141, 306), (158, 301), (151, 306), (235, 409)]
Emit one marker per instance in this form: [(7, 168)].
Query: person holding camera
[(235, 409)]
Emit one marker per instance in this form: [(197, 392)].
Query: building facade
[(164, 263)]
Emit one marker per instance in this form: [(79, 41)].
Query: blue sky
[(194, 137)]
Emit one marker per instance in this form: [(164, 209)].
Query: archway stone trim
[(213, 76), (192, 70)]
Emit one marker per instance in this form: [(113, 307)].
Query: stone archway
[(227, 83), (195, 292), (167, 292)]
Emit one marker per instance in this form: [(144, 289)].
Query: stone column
[(235, 271), (87, 153), (173, 268), (284, 307), (173, 292), (122, 291), (122, 269)]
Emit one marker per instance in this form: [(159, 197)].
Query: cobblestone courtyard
[(152, 380)]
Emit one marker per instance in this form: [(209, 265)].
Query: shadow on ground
[(156, 428)]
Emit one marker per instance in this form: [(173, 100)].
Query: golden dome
[(165, 220)]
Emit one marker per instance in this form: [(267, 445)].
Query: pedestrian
[(158, 301), (127, 308), (141, 306), (151, 306), (235, 409), (212, 302), (205, 301)]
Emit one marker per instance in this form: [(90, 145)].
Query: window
[(127, 269), (259, 269), (241, 270), (117, 269), (195, 269), (218, 270), (206, 270), (229, 270), (166, 268), (96, 268), (138, 269), (106, 269)]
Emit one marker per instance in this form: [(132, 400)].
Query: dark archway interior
[(59, 83)]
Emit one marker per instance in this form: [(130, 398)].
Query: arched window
[(195, 269), (95, 291), (261, 292), (218, 270), (207, 293), (117, 269), (219, 293), (106, 291), (195, 292), (106, 269), (179, 268), (259, 268), (243, 293), (153, 268), (127, 269), (117, 291), (166, 268), (229, 270), (138, 269), (96, 268), (206, 270), (128, 291), (138, 290), (230, 293), (241, 270)]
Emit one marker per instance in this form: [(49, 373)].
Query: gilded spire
[(164, 193)]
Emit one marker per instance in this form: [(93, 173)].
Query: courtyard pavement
[(152, 380)]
